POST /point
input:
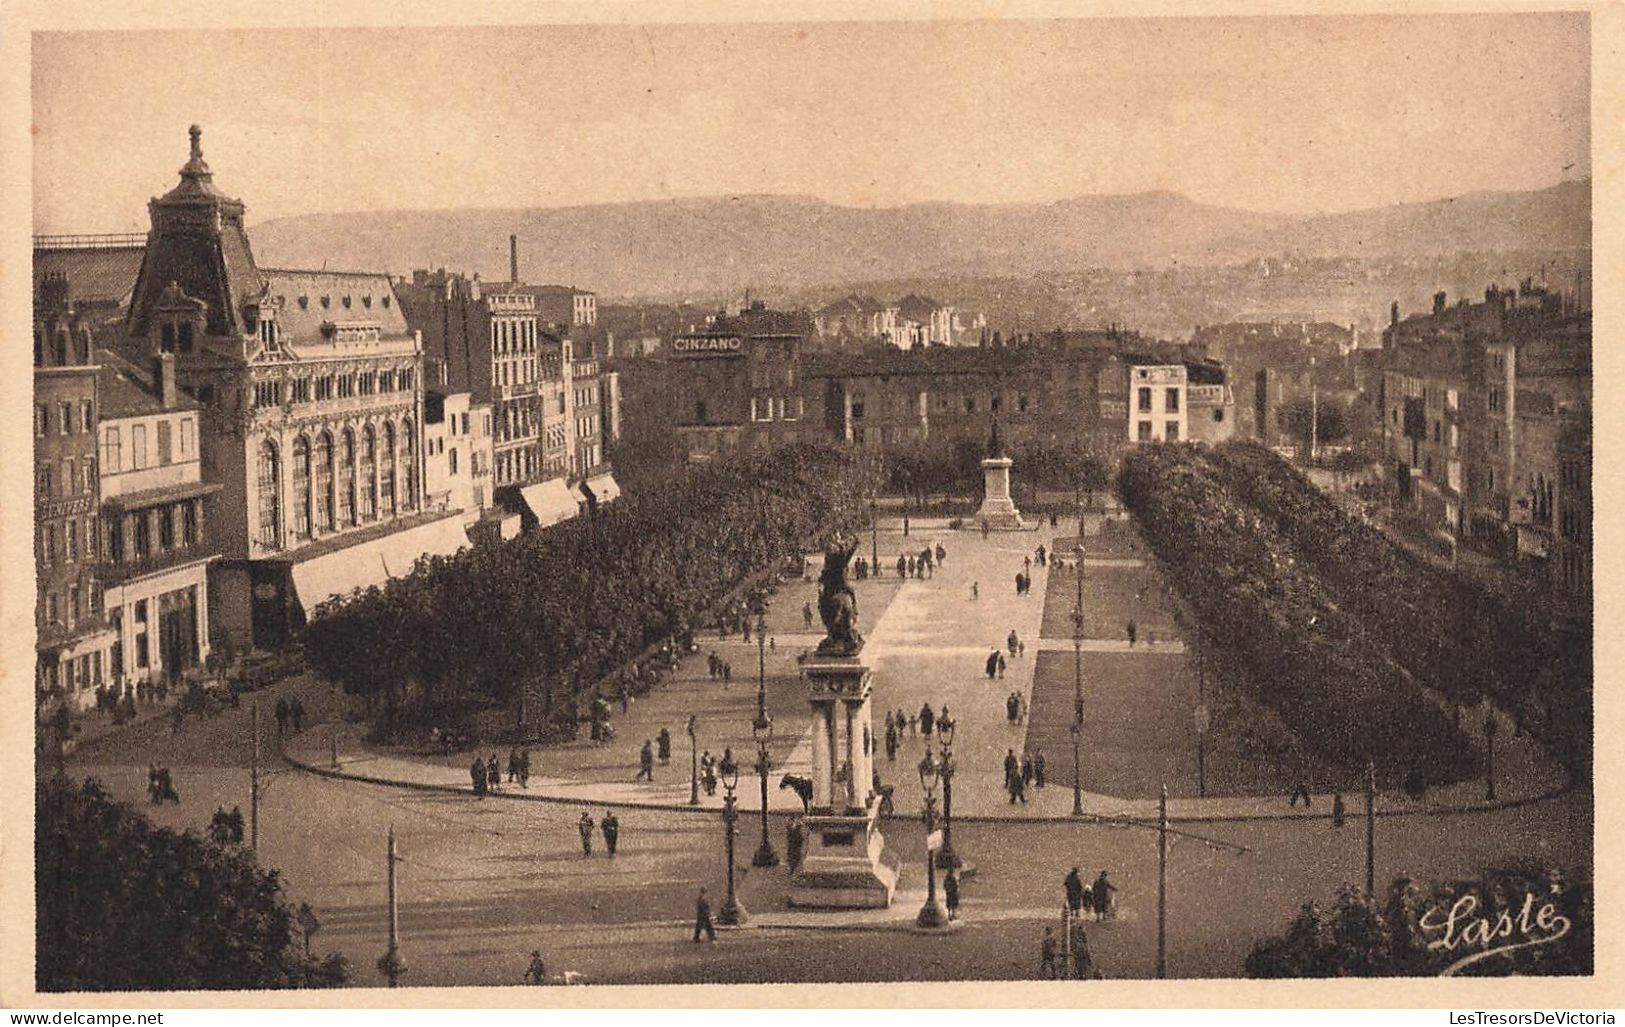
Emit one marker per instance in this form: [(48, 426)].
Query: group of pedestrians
[(290, 713), (900, 724), (1093, 898), (160, 787), (609, 824), (720, 669), (923, 564), (646, 755), (1021, 773), (1015, 708), (486, 775)]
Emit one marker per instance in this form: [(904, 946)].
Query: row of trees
[(1277, 631), (1445, 629), (124, 906), (535, 621)]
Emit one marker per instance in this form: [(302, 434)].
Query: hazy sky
[(1298, 115)]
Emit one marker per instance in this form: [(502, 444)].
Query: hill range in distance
[(724, 245)]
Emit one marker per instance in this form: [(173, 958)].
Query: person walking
[(1047, 967), (646, 762), (975, 591), (1082, 965), (281, 716), (1001, 665), (1010, 703), (702, 918), (1038, 767), (806, 616), (1026, 772), (992, 664), (513, 765), (1012, 773), (476, 773), (1133, 630), (611, 826), (926, 719), (235, 819), (585, 826), (1040, 554), (1338, 811), (727, 674), (536, 973), (1101, 891), (1300, 788), (493, 774), (1027, 564), (663, 740), (891, 742), (942, 554), (524, 768), (1074, 892), (950, 894)]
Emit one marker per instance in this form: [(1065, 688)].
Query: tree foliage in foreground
[(126, 906), (1511, 921)]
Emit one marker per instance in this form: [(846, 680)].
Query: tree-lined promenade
[(533, 623), (1342, 633)]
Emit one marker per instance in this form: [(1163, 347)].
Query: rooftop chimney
[(1438, 302), (163, 376), (513, 259), (1393, 313)]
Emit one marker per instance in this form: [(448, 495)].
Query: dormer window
[(327, 301), (366, 301), (166, 337), (386, 300), (346, 302), (304, 302), (186, 337)]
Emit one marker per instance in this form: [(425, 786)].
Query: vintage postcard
[(1054, 505)]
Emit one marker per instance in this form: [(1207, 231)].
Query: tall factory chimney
[(513, 259)]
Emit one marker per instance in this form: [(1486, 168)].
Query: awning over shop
[(373, 561), (603, 486), (550, 502)]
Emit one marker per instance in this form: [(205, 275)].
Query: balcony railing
[(118, 572)]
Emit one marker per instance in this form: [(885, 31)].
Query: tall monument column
[(843, 866)]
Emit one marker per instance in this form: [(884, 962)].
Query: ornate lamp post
[(1490, 728), (732, 913), (693, 762), (932, 913), (874, 533), (762, 730), (947, 858), (1203, 722)]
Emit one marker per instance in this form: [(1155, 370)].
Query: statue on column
[(995, 445), (837, 604)]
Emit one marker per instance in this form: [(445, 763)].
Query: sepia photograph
[(1048, 500)]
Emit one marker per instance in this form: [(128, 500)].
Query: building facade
[(73, 638)]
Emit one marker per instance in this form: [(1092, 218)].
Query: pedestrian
[(1018, 786), (1337, 809), (296, 710), (646, 762), (1055, 521), (1300, 788), (585, 826), (914, 724), (1026, 771), (1101, 892), (806, 616), (1082, 965), (1132, 630), (1010, 702), (281, 716), (1040, 554), (1038, 767), (1074, 891), (984, 529), (476, 773), (536, 973), (524, 769), (1046, 954), (902, 567), (612, 831), (727, 674), (702, 918), (913, 568), (950, 893), (992, 664), (891, 721), (513, 765), (1012, 771), (220, 827), (975, 592), (905, 525), (942, 554), (493, 774), (926, 719), (166, 786), (152, 784), (1027, 564), (1020, 579), (663, 739), (1021, 648), (1001, 665), (795, 844)]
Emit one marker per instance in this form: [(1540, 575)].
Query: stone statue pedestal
[(842, 868), (998, 509)]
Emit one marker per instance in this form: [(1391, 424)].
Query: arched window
[(62, 358), (301, 488), (367, 474), (346, 476), (409, 465), (186, 337), (324, 482), (386, 473), (269, 476)]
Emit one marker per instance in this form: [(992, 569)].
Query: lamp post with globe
[(732, 913), (947, 858), (932, 914)]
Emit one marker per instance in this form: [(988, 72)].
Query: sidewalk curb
[(1460, 809)]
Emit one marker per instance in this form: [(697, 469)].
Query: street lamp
[(931, 914), (874, 533), (732, 913), (1077, 681), (693, 762), (1490, 728), (1203, 722), (947, 858)]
